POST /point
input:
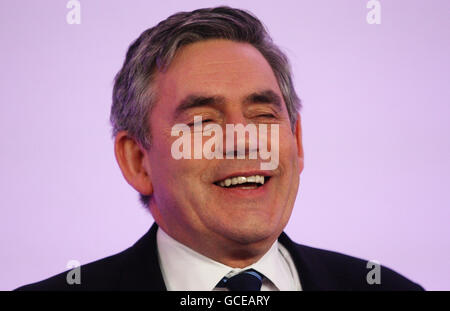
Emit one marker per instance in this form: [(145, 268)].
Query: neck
[(231, 253)]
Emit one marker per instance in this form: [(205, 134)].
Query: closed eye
[(266, 115), (199, 123)]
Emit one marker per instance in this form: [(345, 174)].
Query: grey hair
[(134, 92)]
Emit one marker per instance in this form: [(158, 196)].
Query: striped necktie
[(248, 280)]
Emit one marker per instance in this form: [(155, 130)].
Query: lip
[(244, 174), (240, 193)]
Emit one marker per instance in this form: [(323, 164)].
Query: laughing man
[(218, 220)]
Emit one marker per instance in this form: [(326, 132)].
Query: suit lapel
[(312, 273), (142, 270)]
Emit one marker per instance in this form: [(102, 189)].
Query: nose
[(235, 116), (240, 139)]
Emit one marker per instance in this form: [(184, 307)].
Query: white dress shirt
[(184, 269)]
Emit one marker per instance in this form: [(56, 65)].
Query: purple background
[(376, 124)]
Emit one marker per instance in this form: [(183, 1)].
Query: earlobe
[(132, 159), (298, 137)]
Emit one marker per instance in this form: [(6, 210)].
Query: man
[(219, 216)]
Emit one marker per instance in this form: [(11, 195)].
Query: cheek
[(289, 166), (288, 148), (163, 169), (178, 179)]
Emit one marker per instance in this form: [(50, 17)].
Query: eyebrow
[(195, 100), (267, 97)]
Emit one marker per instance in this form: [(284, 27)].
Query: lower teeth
[(251, 187), (244, 186)]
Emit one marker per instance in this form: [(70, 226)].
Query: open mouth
[(243, 182)]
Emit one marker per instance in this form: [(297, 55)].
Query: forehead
[(215, 67)]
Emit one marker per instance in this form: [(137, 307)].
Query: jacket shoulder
[(136, 268), (330, 270), (102, 274)]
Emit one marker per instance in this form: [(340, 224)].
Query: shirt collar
[(275, 268), (186, 269)]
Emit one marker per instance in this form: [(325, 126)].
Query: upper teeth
[(241, 180)]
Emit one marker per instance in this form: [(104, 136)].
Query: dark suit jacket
[(137, 268)]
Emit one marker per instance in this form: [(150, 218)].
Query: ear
[(133, 162), (298, 137)]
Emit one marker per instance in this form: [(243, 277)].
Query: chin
[(250, 234)]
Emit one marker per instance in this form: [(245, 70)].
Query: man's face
[(188, 201)]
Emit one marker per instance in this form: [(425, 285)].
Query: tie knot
[(248, 280)]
